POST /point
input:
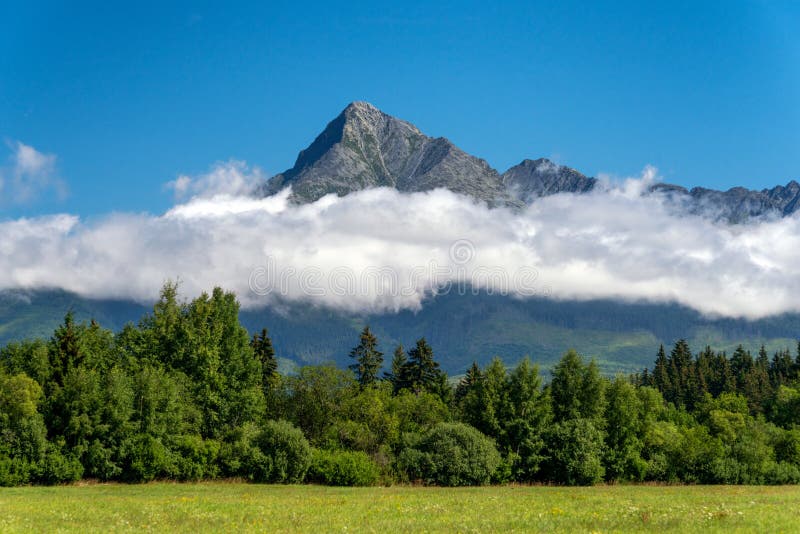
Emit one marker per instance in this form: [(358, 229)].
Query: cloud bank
[(383, 251)]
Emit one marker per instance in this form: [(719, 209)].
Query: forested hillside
[(188, 394)]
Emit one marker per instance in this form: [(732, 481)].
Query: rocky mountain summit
[(532, 179), (364, 147)]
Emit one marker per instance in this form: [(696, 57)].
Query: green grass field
[(215, 507)]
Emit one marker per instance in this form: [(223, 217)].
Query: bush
[(56, 468), (343, 468), (100, 462), (149, 459), (450, 454), (351, 435), (576, 449), (781, 473), (196, 458), (285, 454), (14, 471), (238, 455)]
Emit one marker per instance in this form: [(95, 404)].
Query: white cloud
[(29, 174), (612, 243), (228, 178)]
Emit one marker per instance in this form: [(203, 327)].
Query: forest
[(188, 394)]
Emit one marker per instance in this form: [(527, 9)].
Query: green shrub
[(14, 471), (781, 473), (286, 454), (149, 459), (100, 462), (450, 454), (350, 435), (56, 468), (238, 455), (343, 468), (196, 458), (576, 450)]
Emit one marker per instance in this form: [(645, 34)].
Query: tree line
[(187, 394)]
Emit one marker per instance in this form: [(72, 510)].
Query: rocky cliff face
[(364, 147)]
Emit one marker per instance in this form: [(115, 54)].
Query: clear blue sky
[(129, 97)]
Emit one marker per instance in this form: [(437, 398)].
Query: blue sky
[(128, 98)]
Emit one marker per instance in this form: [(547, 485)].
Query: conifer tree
[(397, 374), (422, 370), (681, 368), (577, 389), (369, 359), (486, 401), (643, 379), (469, 381), (661, 372), (741, 363), (265, 353), (757, 385), (705, 376), (781, 369), (727, 378), (65, 351), (797, 362)]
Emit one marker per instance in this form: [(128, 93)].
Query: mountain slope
[(461, 328)]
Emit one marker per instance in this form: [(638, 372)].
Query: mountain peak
[(362, 111), (360, 105), (364, 147), (531, 179)]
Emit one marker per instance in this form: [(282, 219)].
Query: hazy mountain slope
[(27, 314), (623, 337)]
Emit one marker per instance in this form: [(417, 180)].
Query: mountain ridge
[(363, 147)]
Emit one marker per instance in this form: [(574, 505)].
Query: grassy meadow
[(220, 506)]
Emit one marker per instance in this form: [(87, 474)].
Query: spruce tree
[(727, 377), (486, 401), (369, 359), (757, 385), (661, 378), (681, 368), (265, 354), (65, 353), (796, 369), (469, 381), (423, 373), (397, 375), (741, 364), (781, 369), (705, 375), (577, 389)]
